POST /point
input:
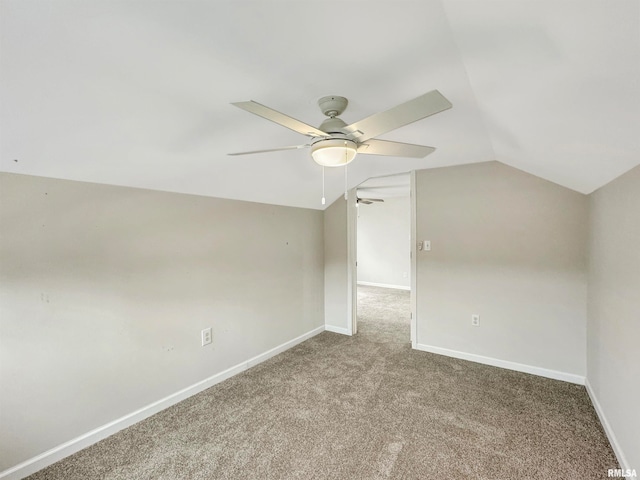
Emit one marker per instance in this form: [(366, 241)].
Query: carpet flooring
[(361, 407)]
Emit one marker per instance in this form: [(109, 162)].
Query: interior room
[(190, 290), (384, 232), (383, 256)]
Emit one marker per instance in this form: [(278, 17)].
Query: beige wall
[(104, 292), (335, 267), (510, 247), (613, 329), (384, 242)]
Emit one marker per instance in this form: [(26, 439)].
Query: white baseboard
[(385, 285), (61, 451), (496, 362), (622, 460), (341, 330)]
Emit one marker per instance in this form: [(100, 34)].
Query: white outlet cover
[(206, 336)]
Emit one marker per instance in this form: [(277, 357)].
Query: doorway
[(382, 239)]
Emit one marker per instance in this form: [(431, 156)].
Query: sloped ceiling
[(388, 186), (138, 93)]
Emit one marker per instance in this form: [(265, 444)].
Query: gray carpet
[(362, 407)]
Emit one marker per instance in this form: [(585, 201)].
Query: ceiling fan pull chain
[(323, 199)]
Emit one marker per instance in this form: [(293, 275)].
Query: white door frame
[(414, 262), (352, 256), (352, 253)]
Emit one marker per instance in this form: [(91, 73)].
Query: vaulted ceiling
[(139, 93)]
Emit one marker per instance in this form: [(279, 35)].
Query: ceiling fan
[(334, 143), (368, 201)]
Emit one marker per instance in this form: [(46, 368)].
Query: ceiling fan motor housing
[(332, 125)]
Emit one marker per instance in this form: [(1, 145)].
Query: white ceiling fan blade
[(280, 118), (399, 116), (295, 147), (394, 149)]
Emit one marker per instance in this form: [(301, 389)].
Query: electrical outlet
[(475, 320), (206, 336)]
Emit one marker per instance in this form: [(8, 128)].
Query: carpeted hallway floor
[(362, 407)]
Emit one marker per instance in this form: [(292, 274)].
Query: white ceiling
[(389, 186), (138, 93)]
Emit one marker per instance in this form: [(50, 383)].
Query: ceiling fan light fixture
[(334, 152)]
